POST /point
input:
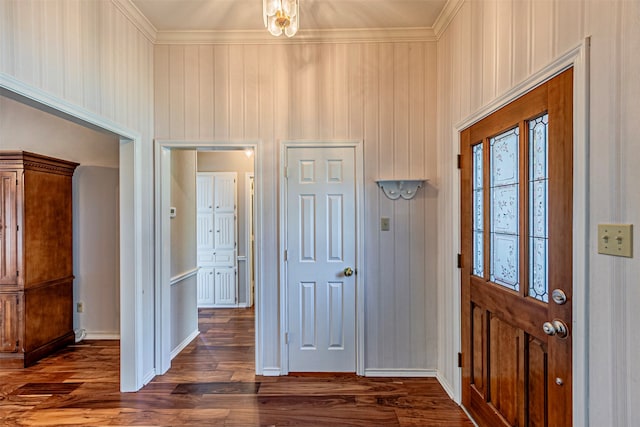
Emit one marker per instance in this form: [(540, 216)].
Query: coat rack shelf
[(396, 188)]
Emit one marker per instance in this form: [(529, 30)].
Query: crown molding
[(368, 35), (449, 11), (137, 18), (354, 35)]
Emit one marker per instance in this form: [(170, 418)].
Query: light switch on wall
[(385, 224), (615, 239)]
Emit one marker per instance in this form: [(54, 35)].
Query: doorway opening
[(221, 239), (94, 300)]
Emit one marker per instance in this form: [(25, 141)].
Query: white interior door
[(321, 243)]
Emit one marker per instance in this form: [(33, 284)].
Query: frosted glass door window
[(538, 208), (505, 238), (478, 213)]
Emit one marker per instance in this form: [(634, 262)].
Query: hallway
[(212, 383)]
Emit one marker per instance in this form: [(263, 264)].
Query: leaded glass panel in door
[(538, 208), (505, 239)]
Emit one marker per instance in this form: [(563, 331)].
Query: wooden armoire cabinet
[(36, 260)]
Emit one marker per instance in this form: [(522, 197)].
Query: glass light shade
[(273, 26), (271, 7), (290, 7), (281, 16), (292, 28)]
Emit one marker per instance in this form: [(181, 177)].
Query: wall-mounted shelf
[(396, 188)]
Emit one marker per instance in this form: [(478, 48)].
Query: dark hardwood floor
[(212, 383)]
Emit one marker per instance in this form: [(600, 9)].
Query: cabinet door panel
[(225, 286), (225, 192), (204, 230), (205, 287), (9, 321), (225, 231), (204, 193), (8, 228)]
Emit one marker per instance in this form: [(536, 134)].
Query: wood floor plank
[(213, 383)]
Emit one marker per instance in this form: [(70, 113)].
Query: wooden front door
[(516, 220)]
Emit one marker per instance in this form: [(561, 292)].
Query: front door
[(321, 244), (517, 171)]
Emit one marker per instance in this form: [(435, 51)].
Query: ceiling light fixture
[(281, 16)]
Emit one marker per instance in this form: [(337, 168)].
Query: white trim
[(578, 57), (449, 11), (249, 177), (148, 377), (101, 336), (304, 36), (360, 263), (162, 153), (192, 336), (401, 373), (271, 372), (184, 276), (447, 386), (131, 259), (137, 18)]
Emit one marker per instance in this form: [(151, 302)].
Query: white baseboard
[(184, 343), (102, 336), (147, 378), (271, 372), (421, 373), (446, 386)]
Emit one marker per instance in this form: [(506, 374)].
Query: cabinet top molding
[(33, 161)]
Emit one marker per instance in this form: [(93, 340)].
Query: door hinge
[(286, 337), (459, 260), (17, 228), (459, 360), (17, 343), (285, 254), (17, 300), (459, 161), (17, 273)]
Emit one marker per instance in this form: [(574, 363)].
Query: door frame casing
[(162, 149), (359, 263), (578, 58)]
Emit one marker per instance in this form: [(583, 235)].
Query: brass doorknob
[(348, 271)]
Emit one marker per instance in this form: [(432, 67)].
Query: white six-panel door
[(321, 243)]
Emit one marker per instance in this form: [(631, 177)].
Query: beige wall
[(184, 311), (381, 93), (489, 48), (95, 205)]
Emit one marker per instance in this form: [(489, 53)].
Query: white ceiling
[(243, 15)]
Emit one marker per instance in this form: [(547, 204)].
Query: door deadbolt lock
[(558, 296), (556, 328), (348, 272)]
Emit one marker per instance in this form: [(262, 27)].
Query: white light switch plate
[(615, 239)]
